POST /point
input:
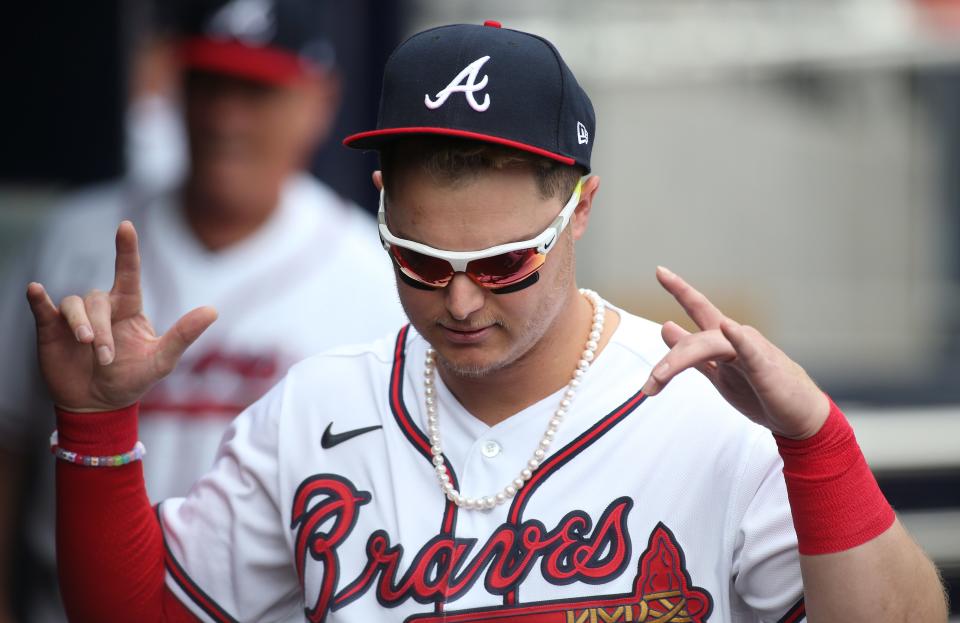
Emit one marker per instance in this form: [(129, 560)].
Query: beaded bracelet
[(115, 460)]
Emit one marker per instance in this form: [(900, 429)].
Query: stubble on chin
[(524, 337)]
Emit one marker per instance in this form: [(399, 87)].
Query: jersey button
[(490, 449)]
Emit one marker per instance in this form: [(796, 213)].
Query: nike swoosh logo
[(331, 439)]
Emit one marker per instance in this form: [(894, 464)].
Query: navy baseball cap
[(270, 41), (484, 83)]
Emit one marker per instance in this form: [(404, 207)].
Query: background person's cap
[(272, 41), (484, 83)]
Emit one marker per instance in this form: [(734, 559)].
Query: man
[(524, 451), (295, 268)]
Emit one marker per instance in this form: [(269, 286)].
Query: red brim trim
[(269, 65), (374, 138)]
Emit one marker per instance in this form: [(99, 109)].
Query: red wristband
[(834, 499), (98, 433)]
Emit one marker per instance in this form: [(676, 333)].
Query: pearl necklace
[(433, 422)]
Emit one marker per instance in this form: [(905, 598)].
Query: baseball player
[(249, 232), (522, 451)]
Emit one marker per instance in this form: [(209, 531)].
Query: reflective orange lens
[(506, 268), (490, 272), (425, 269)]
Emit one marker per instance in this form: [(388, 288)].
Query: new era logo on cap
[(517, 91), (583, 136)]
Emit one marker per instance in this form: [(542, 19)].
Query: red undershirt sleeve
[(110, 552)]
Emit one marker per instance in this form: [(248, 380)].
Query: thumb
[(181, 335)]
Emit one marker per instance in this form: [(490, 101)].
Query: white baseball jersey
[(312, 277), (324, 502)]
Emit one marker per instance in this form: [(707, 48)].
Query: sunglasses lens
[(506, 268), (429, 270)]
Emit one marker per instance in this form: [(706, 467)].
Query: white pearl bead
[(433, 422)]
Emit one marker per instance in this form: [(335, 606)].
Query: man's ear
[(378, 180), (581, 215)]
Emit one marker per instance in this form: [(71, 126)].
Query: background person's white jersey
[(312, 277), (671, 508)]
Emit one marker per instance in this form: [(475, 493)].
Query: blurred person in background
[(246, 230)]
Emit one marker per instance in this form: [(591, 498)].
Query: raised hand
[(752, 374), (100, 352)]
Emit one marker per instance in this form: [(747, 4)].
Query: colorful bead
[(114, 460)]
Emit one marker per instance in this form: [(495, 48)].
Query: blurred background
[(798, 161)]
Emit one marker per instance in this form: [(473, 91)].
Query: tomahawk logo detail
[(662, 593), (468, 88)]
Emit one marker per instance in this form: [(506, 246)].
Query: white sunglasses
[(496, 267)]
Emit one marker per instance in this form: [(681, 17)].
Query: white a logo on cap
[(471, 86), (583, 137)]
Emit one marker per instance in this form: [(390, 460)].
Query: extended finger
[(184, 333), (74, 312), (704, 313), (97, 304), (126, 277), (691, 351)]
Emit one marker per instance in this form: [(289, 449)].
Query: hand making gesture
[(750, 372), (100, 353)]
